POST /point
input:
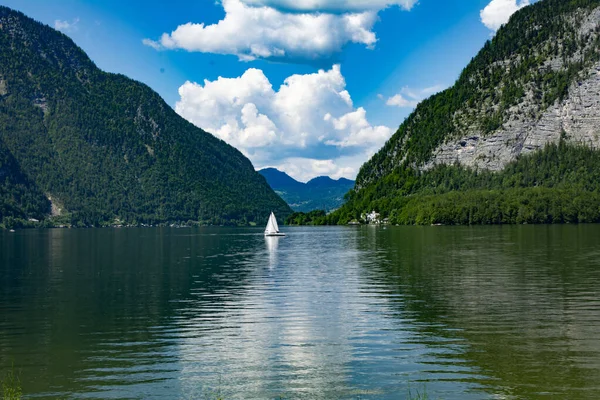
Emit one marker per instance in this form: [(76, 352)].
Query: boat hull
[(274, 234)]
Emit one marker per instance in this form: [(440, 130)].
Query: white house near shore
[(372, 218)]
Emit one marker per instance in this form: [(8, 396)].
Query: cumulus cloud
[(332, 5), (264, 32), (66, 26), (267, 29), (355, 130), (498, 12), (400, 101), (309, 126), (410, 98)]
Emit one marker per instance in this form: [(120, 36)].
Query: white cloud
[(66, 26), (410, 98), (152, 43), (399, 101), (332, 5), (356, 130), (254, 29), (498, 12), (309, 122)]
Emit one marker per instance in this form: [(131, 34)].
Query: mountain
[(321, 193), (280, 181), (92, 147), (514, 140), (327, 182)]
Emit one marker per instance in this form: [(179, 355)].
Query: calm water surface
[(325, 313)]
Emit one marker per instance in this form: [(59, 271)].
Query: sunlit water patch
[(324, 313)]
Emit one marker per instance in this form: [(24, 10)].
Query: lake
[(507, 312)]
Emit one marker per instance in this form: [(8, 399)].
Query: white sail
[(272, 225), (272, 228)]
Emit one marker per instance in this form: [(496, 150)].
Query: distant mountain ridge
[(279, 180), (320, 193), (93, 147)]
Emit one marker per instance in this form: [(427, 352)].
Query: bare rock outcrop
[(576, 120)]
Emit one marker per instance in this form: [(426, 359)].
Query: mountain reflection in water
[(364, 312)]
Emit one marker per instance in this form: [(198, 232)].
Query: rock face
[(528, 126), (576, 120), (535, 83)]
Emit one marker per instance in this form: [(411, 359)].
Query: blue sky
[(313, 87)]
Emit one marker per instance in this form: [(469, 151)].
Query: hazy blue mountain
[(321, 193), (280, 181)]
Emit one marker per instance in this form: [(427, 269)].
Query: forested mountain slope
[(19, 197), (535, 84), (103, 147)]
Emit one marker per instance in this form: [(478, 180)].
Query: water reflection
[(272, 246), (525, 300), (282, 335), (322, 313)]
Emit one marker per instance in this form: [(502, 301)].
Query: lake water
[(324, 313)]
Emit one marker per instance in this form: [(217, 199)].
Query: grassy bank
[(11, 387)]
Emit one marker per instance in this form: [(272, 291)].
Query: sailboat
[(272, 228)]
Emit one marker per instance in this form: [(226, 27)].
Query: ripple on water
[(497, 312)]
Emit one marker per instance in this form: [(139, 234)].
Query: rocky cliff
[(535, 82), (515, 140), (529, 125), (576, 119)]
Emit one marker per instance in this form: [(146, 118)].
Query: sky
[(311, 87)]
